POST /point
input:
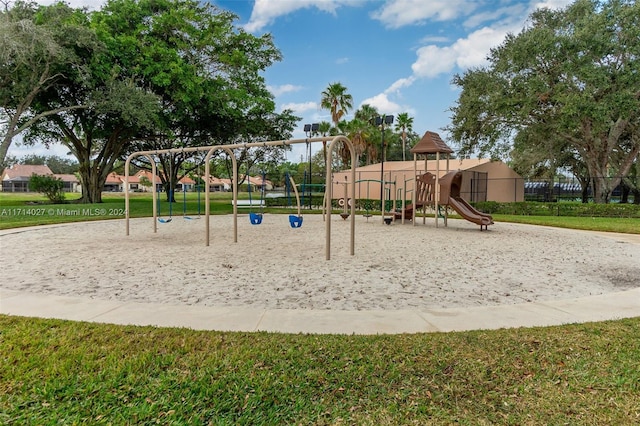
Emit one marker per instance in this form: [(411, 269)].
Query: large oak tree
[(35, 54), (569, 81), (172, 73)]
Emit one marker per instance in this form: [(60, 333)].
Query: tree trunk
[(584, 188), (597, 168), (602, 189), (596, 152), (624, 196), (585, 194), (4, 148), (92, 184)]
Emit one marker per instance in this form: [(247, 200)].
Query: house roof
[(113, 178), (186, 180), (218, 181), (431, 143), (67, 177), (24, 171), (258, 180)]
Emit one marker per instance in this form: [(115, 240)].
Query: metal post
[(382, 176), (387, 119), (310, 180)]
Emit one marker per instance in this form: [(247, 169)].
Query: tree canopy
[(566, 89), (164, 74), (35, 54)]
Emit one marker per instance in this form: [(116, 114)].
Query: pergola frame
[(333, 140)]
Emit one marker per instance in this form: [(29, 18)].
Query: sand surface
[(274, 266)]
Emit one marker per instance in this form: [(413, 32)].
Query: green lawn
[(59, 372), (18, 210), (62, 372), (606, 224)]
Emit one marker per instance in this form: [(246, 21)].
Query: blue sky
[(396, 55)]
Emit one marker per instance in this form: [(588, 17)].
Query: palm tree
[(367, 113), (336, 99), (324, 127), (404, 124), (359, 131)]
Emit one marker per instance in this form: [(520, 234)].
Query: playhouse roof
[(431, 143)]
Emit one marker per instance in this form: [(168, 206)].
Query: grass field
[(17, 210), (61, 372), (58, 372)]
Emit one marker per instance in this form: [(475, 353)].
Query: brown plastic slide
[(450, 195), (468, 212)]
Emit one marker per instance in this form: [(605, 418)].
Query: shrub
[(50, 186), (532, 208)]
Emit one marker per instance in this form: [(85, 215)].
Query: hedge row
[(531, 208), (526, 208)]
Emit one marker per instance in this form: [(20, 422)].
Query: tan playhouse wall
[(503, 185)]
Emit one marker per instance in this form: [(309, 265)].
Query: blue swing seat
[(295, 221), (255, 218), (161, 220)]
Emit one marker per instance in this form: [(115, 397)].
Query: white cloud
[(383, 104), (435, 39), (285, 88), (299, 108), (550, 4), (433, 60), (341, 61), (472, 51), (89, 4), (509, 12), (266, 11), (398, 13), (19, 149), (465, 53), (399, 84)]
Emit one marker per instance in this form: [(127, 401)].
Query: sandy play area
[(275, 266)]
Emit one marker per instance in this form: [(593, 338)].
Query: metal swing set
[(229, 149)]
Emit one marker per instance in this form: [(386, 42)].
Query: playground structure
[(229, 149), (449, 196), (449, 188), (422, 191)]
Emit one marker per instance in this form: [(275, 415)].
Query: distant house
[(71, 182), (186, 184), (114, 183), (16, 178), (257, 182), (219, 185)]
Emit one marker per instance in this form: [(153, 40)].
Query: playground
[(275, 266)]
